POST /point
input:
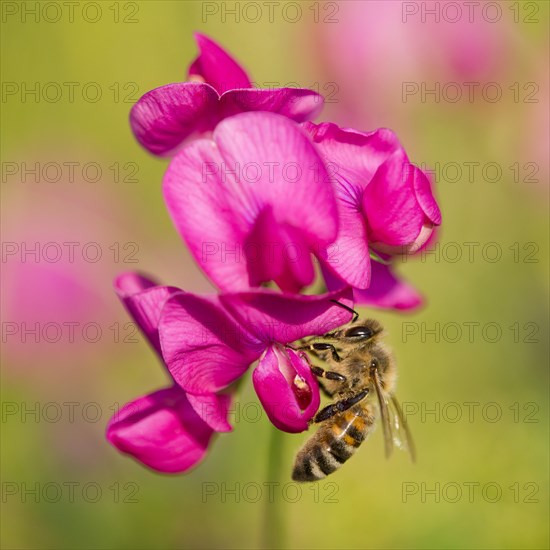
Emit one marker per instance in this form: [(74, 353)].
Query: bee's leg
[(318, 371), (328, 374), (340, 406), (321, 346)]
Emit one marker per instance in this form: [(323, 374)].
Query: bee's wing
[(395, 427), (384, 416), (400, 429)]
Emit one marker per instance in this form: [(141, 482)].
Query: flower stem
[(274, 524)]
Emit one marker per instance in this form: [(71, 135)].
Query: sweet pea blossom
[(209, 342), (161, 429), (253, 203), (219, 87), (384, 203)]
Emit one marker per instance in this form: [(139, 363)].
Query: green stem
[(274, 524)]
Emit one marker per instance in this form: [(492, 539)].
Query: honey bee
[(360, 379)]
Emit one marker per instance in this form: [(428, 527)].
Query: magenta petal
[(298, 269), (352, 155), (164, 117), (217, 67), (196, 197), (279, 168), (286, 388), (298, 104), (393, 213), (332, 281), (348, 255), (216, 195), (387, 291), (287, 260), (213, 409), (285, 318), (424, 196), (205, 350), (161, 430), (144, 301)]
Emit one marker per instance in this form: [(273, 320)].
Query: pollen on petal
[(302, 392)]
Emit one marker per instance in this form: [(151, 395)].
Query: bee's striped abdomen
[(334, 443)]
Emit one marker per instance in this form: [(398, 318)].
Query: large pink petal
[(216, 195), (387, 291), (213, 409), (394, 216), (286, 388), (279, 168), (285, 318), (164, 117), (144, 301), (205, 350), (299, 104), (161, 430), (195, 190), (217, 67)]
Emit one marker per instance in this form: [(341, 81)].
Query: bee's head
[(364, 354)]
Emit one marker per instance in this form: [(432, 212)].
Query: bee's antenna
[(351, 310)]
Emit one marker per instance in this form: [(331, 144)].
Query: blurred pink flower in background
[(377, 45), (59, 240), (535, 138)]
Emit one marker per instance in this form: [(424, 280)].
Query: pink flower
[(253, 202), (432, 42), (161, 429), (209, 342), (384, 202), (164, 117), (51, 277)]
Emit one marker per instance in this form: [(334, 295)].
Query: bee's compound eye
[(359, 332), (374, 363)]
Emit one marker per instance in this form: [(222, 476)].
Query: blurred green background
[(86, 495)]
